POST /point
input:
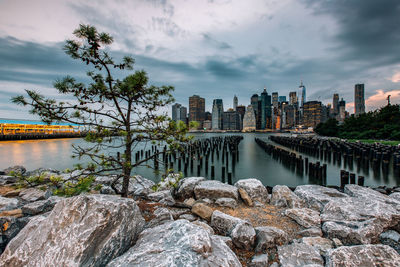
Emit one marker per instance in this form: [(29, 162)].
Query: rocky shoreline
[(197, 222)]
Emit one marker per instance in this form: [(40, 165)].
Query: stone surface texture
[(213, 190), (243, 235), (223, 223), (282, 196), (87, 230), (8, 203), (269, 237), (245, 197), (298, 254), (316, 196), (254, 188), (177, 243), (305, 217), (186, 187), (202, 210), (34, 194), (226, 202)]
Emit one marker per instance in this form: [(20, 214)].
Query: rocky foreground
[(199, 222)]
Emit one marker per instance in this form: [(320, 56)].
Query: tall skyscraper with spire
[(302, 91), (235, 102)]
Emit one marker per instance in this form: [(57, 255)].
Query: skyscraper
[(241, 110), (179, 112), (282, 98), (312, 113), (249, 120), (292, 98), (335, 104), (342, 110), (265, 109), (275, 99), (231, 120), (235, 102), (175, 111), (217, 114), (302, 91), (197, 109), (359, 101)]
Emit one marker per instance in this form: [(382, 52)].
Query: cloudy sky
[(213, 48)]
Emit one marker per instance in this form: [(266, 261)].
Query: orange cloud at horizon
[(377, 100)]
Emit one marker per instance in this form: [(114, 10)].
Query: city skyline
[(210, 47)]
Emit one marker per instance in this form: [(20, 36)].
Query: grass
[(371, 141)]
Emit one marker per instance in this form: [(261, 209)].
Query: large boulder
[(8, 203), (223, 223), (186, 187), (213, 190), (316, 196), (9, 228), (40, 206), (298, 254), (15, 169), (6, 179), (395, 196), (34, 194), (177, 243), (363, 255), (254, 188), (282, 196), (202, 210), (85, 230), (138, 186), (307, 218), (269, 237), (320, 243)]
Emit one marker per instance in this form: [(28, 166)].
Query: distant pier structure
[(12, 129)]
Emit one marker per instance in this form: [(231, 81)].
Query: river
[(253, 162)]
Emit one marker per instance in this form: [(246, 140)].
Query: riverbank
[(194, 221)]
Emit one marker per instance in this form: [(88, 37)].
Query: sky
[(212, 48)]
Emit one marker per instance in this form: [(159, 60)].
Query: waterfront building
[(292, 98), (231, 120), (235, 102), (254, 103), (179, 113), (217, 114), (249, 120), (241, 110), (342, 110), (275, 99), (207, 116), (31, 128), (289, 115), (281, 98), (302, 91), (207, 125), (312, 113), (265, 108), (335, 104), (197, 109), (359, 101), (175, 110)]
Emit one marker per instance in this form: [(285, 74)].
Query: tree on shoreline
[(117, 114)]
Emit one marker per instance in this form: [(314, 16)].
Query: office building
[(241, 110), (292, 98), (264, 121), (281, 98), (231, 120), (275, 100), (312, 113), (302, 92), (249, 120), (207, 125), (342, 110), (217, 114), (197, 109), (335, 104), (235, 102), (175, 110), (359, 101), (179, 113)]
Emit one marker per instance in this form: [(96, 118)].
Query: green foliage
[(380, 124), (73, 188)]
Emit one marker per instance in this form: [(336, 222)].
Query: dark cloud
[(368, 29), (214, 42)]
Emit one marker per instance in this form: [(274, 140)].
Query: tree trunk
[(127, 167)]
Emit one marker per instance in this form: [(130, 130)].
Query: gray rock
[(162, 215), (320, 243), (296, 254), (10, 227), (189, 202), (395, 196), (305, 217), (316, 196), (226, 202), (336, 242), (243, 235), (228, 241), (186, 187), (202, 210), (259, 261), (159, 195), (177, 243), (34, 194), (5, 179), (363, 255), (15, 169), (107, 190), (169, 182), (104, 180), (205, 226), (254, 188), (83, 230), (390, 234), (269, 237), (223, 223), (310, 232), (189, 217), (282, 196), (138, 186), (8, 203), (37, 207), (176, 212), (214, 189)]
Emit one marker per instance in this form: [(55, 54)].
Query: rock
[(9, 228), (336, 242), (320, 243), (297, 254), (205, 226), (188, 217), (254, 188), (363, 255), (176, 212), (6, 179), (259, 261), (34, 194), (316, 196), (8, 203), (283, 197), (169, 182), (37, 207), (162, 215), (177, 243), (189, 202), (138, 186), (83, 230), (227, 240), (17, 213), (305, 217), (107, 190), (310, 232), (13, 193), (223, 223), (246, 198), (395, 196), (366, 193), (243, 235), (104, 180), (186, 187), (269, 237), (202, 210), (159, 195), (42, 171), (391, 238), (214, 189), (15, 169), (226, 202)]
